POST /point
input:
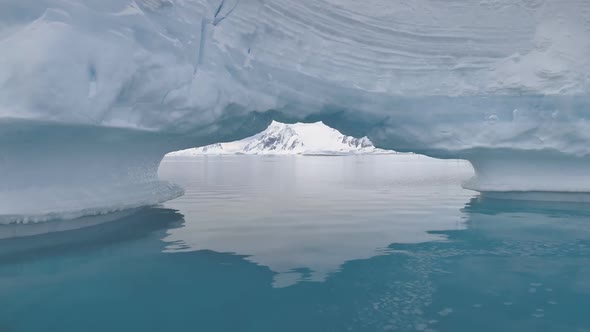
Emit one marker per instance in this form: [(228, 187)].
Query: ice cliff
[(94, 93)]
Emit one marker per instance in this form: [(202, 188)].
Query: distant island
[(290, 139)]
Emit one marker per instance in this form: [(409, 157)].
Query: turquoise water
[(373, 243)]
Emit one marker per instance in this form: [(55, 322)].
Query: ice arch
[(94, 92)]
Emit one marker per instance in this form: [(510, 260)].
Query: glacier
[(94, 93)]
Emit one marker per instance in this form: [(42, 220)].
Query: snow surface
[(290, 139), (502, 81)]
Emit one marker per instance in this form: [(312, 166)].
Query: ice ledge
[(64, 171), (36, 205), (542, 175)]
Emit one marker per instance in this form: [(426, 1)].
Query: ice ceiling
[(93, 93)]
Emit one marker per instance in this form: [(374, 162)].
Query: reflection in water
[(501, 266), (304, 216)]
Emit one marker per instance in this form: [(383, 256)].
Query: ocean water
[(357, 243)]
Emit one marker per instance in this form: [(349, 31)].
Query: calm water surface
[(371, 243)]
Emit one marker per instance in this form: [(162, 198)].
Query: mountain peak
[(275, 123)]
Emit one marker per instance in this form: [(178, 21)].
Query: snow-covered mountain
[(298, 138)]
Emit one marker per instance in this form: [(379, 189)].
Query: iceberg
[(94, 93)]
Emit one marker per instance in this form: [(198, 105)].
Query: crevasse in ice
[(93, 93)]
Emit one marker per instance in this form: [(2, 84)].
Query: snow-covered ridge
[(285, 139)]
